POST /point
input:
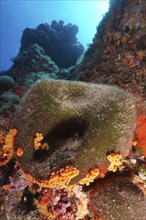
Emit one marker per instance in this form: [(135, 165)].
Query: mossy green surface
[(81, 123)]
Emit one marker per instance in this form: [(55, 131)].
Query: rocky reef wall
[(117, 55), (58, 41)]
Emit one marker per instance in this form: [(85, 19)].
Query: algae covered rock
[(115, 198), (33, 59), (80, 123), (9, 101), (6, 83)]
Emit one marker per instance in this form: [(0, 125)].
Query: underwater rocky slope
[(117, 55), (72, 150)]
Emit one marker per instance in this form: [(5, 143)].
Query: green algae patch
[(80, 122)]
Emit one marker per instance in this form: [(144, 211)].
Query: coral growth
[(90, 177), (19, 152), (63, 204), (56, 204), (116, 162), (59, 179), (140, 134), (7, 148), (118, 52)]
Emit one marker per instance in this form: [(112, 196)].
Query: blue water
[(15, 16)]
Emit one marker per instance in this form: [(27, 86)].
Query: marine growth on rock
[(69, 128)]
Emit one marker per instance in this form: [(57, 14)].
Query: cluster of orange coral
[(140, 134), (37, 142), (116, 162), (60, 179), (92, 174), (7, 149), (19, 152)]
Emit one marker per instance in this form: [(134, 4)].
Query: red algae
[(140, 134)]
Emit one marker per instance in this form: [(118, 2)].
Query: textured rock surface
[(32, 59), (58, 41), (117, 55), (14, 208), (80, 122), (117, 198)]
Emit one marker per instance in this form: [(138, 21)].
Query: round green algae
[(81, 122)]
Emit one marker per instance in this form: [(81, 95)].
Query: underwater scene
[(73, 110)]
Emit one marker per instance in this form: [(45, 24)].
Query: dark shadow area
[(64, 134), (27, 202)]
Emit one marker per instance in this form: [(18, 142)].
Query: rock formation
[(117, 197), (117, 55), (57, 40), (80, 123), (32, 59)]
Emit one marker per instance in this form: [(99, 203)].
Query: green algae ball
[(80, 122)]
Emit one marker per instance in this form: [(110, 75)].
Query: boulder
[(115, 198), (80, 122)]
